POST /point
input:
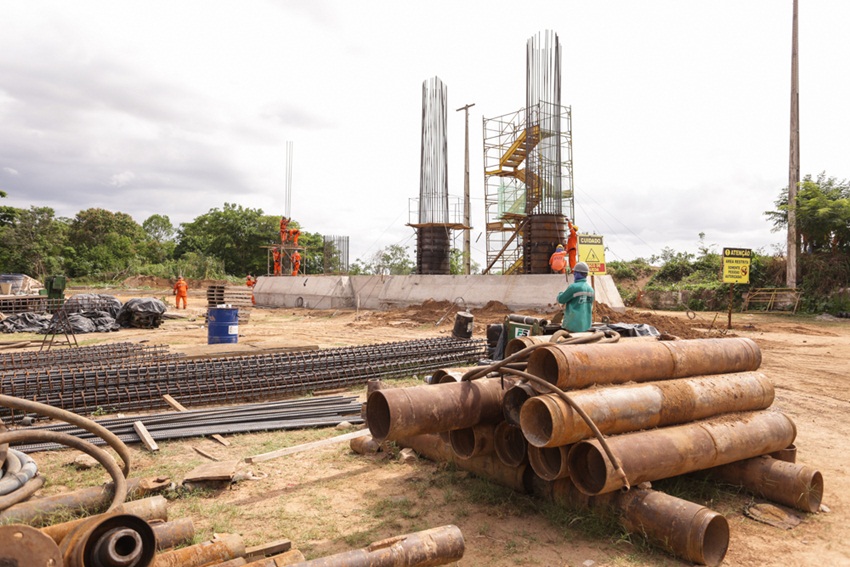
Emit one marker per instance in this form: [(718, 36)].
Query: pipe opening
[(378, 415), (548, 463), (126, 546), (513, 402), (536, 422), (544, 363), (463, 442), (715, 541), (510, 445), (588, 468), (814, 494)]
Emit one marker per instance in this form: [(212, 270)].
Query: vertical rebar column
[(335, 254), (433, 242), (545, 227)]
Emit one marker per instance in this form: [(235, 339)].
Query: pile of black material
[(142, 312), (25, 323), (93, 302)]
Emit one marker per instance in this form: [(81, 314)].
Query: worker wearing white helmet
[(578, 302)]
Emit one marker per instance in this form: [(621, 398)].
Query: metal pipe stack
[(696, 405)]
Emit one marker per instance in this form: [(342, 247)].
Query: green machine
[(524, 326), (55, 288)]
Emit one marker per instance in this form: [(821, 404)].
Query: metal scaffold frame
[(526, 153)]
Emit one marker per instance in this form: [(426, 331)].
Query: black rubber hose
[(56, 413), (104, 458)]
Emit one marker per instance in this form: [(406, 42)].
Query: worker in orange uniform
[(283, 232), (276, 258), (558, 260), (181, 290), (251, 281), (296, 263), (572, 244), (294, 233)]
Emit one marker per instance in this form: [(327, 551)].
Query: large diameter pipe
[(428, 548), (223, 548), (488, 467), (396, 413), (671, 451), (791, 484), (548, 421), (517, 344), (471, 442), (577, 366), (87, 499), (510, 444), (685, 529), (148, 509), (550, 463), (513, 400), (110, 540)]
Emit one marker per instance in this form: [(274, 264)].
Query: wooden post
[(467, 260), (731, 297), (793, 244)]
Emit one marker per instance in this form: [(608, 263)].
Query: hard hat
[(559, 247), (581, 268), (575, 227)]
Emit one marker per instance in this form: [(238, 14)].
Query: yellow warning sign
[(736, 265), (591, 251)]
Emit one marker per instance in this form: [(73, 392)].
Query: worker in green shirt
[(578, 302)]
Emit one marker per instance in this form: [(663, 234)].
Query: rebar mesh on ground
[(99, 354)]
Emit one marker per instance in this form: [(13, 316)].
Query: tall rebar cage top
[(335, 254), (433, 175), (528, 174)]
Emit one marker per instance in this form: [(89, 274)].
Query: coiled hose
[(21, 470)]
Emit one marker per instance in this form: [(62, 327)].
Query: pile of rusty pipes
[(697, 405)]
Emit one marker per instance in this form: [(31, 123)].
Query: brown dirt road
[(331, 500)]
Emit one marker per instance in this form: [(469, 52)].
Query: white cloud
[(11, 171), (122, 179)]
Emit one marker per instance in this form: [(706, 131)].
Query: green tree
[(159, 245), (823, 213), (456, 263), (392, 260), (234, 234), (104, 243), (33, 242)]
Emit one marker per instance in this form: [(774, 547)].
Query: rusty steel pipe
[(153, 508), (488, 467), (550, 463), (793, 485), (223, 548), (469, 442), (443, 375), (291, 557), (788, 454), (517, 344), (577, 366), (87, 499), (173, 533), (548, 421), (109, 540), (513, 401), (510, 444), (397, 413), (365, 445), (23, 546), (238, 562), (684, 529), (436, 546), (671, 451)]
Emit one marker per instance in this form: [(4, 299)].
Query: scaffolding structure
[(528, 172), (335, 254)]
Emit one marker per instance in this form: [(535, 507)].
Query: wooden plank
[(265, 549), (223, 470), (306, 446), (174, 403), (221, 439), (145, 436)]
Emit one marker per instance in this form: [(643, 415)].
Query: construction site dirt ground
[(330, 500)]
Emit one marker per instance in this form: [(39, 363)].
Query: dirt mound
[(682, 328), (147, 282), (495, 310)]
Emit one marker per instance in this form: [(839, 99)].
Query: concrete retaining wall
[(519, 293)]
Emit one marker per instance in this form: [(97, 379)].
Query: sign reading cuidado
[(591, 251), (736, 265)]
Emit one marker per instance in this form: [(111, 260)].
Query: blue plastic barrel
[(223, 323)]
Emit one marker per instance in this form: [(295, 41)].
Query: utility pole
[(467, 252), (793, 162)]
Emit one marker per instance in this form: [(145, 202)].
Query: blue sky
[(680, 109)]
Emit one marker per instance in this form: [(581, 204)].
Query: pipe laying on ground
[(548, 421), (476, 441), (433, 448), (671, 451), (577, 366), (109, 540), (436, 546), (794, 485), (153, 508), (396, 413), (223, 548), (173, 533)]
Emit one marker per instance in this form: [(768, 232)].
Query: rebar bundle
[(96, 354), (131, 385), (288, 414)]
